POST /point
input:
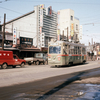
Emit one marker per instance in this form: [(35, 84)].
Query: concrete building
[(35, 28), (68, 25), (31, 32)]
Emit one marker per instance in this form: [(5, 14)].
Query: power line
[(11, 10), (4, 1), (15, 11), (90, 23), (57, 2)]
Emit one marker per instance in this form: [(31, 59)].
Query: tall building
[(47, 25), (38, 27), (68, 25), (35, 28)]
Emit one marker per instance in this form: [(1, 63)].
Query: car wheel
[(4, 66), (45, 63), (29, 63), (37, 63), (22, 64)]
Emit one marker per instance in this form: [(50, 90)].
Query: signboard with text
[(14, 36), (72, 30), (26, 41), (41, 15), (49, 11)]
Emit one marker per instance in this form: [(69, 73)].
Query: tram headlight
[(49, 58), (59, 58)]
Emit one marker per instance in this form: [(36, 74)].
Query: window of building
[(83, 51), (76, 27), (76, 36), (71, 17)]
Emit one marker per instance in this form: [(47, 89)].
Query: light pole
[(3, 35)]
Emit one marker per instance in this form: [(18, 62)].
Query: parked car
[(7, 58), (37, 59)]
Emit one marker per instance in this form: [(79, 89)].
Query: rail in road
[(32, 73)]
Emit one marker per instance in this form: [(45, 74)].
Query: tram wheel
[(57, 66)]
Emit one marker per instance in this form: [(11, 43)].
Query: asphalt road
[(12, 76), (44, 82)]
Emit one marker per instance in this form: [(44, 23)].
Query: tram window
[(55, 49), (79, 50), (69, 49), (83, 51), (65, 50), (74, 50)]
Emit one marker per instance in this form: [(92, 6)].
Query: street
[(43, 82)]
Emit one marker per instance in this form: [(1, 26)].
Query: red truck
[(7, 58)]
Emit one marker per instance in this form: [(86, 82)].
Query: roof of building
[(11, 48), (30, 49), (20, 17)]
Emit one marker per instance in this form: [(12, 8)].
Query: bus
[(65, 53)]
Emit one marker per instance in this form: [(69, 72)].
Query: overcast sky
[(88, 12)]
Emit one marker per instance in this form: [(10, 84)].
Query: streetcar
[(65, 53)]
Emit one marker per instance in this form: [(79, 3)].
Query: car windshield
[(55, 49)]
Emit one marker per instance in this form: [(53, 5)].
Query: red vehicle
[(8, 58)]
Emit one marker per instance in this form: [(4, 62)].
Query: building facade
[(68, 25), (47, 25), (38, 27), (35, 28)]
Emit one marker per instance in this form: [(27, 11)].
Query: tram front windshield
[(54, 50)]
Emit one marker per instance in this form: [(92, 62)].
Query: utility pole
[(0, 20), (67, 34), (3, 35), (92, 41)]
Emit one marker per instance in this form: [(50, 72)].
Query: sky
[(88, 12)]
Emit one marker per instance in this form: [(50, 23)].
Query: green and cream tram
[(65, 53)]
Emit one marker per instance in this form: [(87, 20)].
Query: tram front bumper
[(54, 63)]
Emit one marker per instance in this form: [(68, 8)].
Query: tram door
[(65, 52), (81, 54)]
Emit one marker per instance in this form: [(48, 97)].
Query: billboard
[(72, 30), (26, 41), (58, 25), (58, 20), (49, 11), (41, 15), (58, 34), (42, 6), (14, 36)]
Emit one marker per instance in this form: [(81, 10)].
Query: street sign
[(14, 36)]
